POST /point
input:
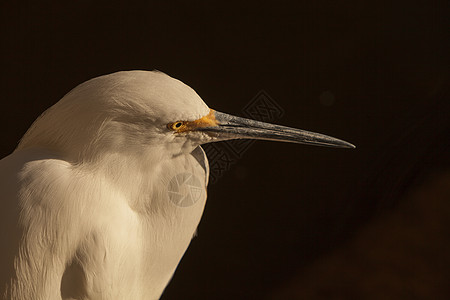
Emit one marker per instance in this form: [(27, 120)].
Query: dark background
[(286, 221)]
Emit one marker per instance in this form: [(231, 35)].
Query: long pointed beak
[(228, 127)]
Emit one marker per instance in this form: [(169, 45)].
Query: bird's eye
[(175, 126)]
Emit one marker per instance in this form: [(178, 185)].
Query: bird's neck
[(134, 177)]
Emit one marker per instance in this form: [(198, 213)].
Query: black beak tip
[(350, 146), (346, 145)]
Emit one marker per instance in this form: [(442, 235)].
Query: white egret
[(104, 192)]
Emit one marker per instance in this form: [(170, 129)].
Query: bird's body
[(81, 248), (92, 198), (97, 228)]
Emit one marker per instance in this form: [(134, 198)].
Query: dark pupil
[(178, 125)]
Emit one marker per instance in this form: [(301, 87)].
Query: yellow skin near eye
[(183, 126)]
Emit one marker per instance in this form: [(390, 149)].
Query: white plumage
[(87, 207)]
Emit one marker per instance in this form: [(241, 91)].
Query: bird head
[(141, 112)]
